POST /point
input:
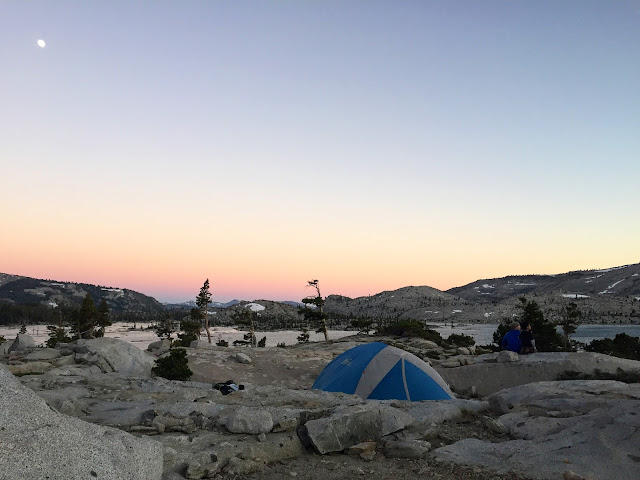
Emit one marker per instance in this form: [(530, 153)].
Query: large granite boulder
[(113, 355), (4, 347), (43, 354), (22, 342), (37, 442), (589, 427), (344, 428), (487, 376), (249, 420)]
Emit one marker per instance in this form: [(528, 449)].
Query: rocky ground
[(537, 428)]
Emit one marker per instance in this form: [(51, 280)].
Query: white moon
[(41, 43)]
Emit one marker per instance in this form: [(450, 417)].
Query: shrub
[(263, 342), (281, 345), (620, 376), (623, 346), (185, 339), (222, 343), (175, 366), (410, 328), (461, 340), (362, 324), (304, 336), (57, 335)]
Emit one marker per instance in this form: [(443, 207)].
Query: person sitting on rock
[(511, 339), (527, 340)]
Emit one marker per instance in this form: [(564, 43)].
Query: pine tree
[(571, 315), (175, 366), (202, 300), (244, 316), (103, 318), (315, 316), (166, 328), (544, 332), (58, 330), (85, 319), (190, 327)]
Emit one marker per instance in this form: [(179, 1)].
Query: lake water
[(141, 338), (481, 333)]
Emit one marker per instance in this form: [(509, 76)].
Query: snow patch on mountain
[(255, 307)]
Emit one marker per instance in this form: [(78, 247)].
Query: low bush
[(620, 376), (461, 340), (410, 328), (185, 339), (623, 346), (174, 366)]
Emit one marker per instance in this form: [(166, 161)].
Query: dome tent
[(381, 372)]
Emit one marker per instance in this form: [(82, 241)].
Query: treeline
[(12, 314)]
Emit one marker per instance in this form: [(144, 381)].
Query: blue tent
[(382, 372)]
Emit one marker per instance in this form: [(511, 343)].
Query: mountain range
[(604, 296), (26, 290)]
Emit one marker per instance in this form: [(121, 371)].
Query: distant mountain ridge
[(615, 281), (26, 290), (609, 295), (604, 296), (192, 304)]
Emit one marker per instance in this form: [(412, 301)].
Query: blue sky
[(369, 144)]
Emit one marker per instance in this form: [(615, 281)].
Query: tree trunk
[(206, 327), (324, 330)]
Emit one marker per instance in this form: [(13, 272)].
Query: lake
[(481, 333)]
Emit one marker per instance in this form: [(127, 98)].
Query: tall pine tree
[(202, 301), (85, 320), (103, 318)]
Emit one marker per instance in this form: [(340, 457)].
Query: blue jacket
[(511, 341)]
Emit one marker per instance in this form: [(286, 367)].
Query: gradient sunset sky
[(368, 144)]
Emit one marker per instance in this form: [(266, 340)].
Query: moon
[(42, 43)]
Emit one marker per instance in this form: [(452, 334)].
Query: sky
[(368, 144)]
